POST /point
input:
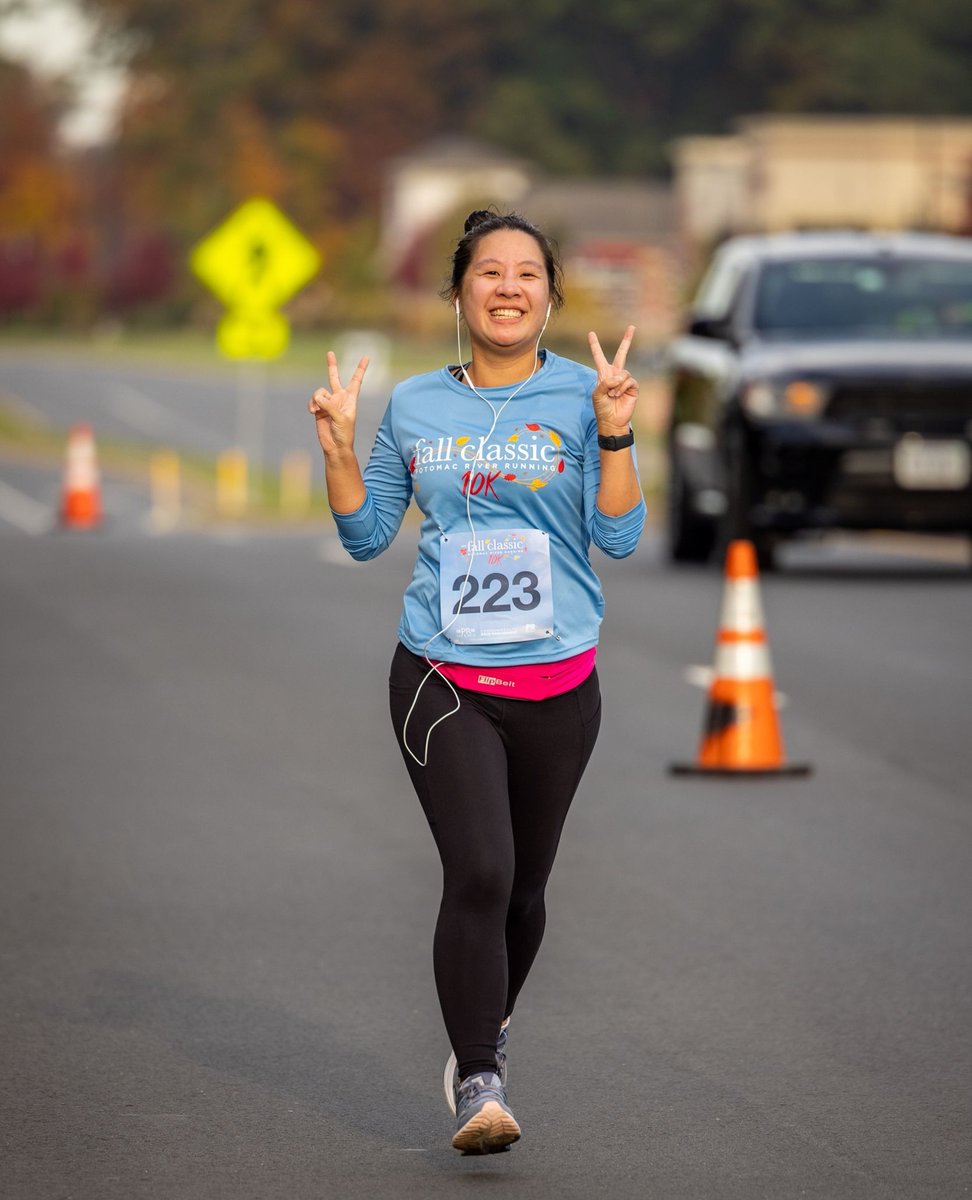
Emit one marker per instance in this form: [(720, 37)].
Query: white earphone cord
[(434, 667)]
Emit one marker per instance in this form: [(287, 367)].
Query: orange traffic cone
[(741, 734), (81, 492)]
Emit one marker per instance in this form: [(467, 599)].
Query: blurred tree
[(300, 103), (306, 102), (292, 100), (34, 188), (44, 250), (606, 87)]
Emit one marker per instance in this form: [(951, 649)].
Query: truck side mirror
[(710, 327)]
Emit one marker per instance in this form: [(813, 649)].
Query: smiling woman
[(518, 460), (504, 285)]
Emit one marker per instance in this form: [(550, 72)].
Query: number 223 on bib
[(495, 586)]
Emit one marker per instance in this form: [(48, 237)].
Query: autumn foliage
[(307, 102)]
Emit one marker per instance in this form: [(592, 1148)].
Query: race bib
[(495, 586)]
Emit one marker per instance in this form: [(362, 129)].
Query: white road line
[(24, 407), (23, 512), (146, 415)]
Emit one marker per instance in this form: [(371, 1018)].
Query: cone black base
[(791, 769)]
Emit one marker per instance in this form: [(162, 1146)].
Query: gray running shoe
[(501, 1041), (450, 1076), (450, 1082), (484, 1123)]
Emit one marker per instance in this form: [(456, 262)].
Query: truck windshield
[(843, 297)]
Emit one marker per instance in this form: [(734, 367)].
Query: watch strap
[(616, 443)]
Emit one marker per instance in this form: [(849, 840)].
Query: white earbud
[(457, 308)]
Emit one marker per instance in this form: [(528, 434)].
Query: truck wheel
[(690, 538), (738, 521)]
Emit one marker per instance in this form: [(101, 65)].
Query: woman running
[(518, 460)]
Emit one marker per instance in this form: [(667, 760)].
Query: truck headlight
[(797, 398)]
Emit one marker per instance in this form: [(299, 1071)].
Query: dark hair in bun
[(476, 218), (482, 221)]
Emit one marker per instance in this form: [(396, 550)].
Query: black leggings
[(499, 780)]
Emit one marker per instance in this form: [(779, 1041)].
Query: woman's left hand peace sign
[(616, 391)]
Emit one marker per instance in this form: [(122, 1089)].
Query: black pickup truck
[(824, 381)]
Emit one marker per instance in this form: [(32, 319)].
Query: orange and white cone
[(81, 491), (741, 735)]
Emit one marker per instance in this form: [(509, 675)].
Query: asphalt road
[(205, 411), (218, 891)]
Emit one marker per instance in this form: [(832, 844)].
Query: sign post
[(254, 262)]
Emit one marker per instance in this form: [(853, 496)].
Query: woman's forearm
[(619, 490), (345, 487)]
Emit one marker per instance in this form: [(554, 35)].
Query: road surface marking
[(148, 416), (23, 512), (24, 408)]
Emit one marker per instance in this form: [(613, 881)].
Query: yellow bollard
[(165, 489), (231, 483), (295, 484)]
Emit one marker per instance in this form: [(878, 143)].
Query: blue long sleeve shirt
[(540, 467)]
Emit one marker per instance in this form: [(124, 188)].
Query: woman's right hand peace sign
[(335, 407)]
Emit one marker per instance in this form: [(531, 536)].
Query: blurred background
[(641, 136)]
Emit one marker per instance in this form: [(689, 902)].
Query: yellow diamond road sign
[(252, 334), (256, 259)]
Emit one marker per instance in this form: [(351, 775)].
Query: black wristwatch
[(616, 443)]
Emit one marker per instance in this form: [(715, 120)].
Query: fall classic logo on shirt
[(530, 457)]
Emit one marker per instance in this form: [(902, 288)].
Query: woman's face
[(504, 293)]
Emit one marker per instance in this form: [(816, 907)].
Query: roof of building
[(455, 150), (614, 209)]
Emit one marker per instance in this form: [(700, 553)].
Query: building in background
[(433, 185), (780, 173), (618, 237)]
